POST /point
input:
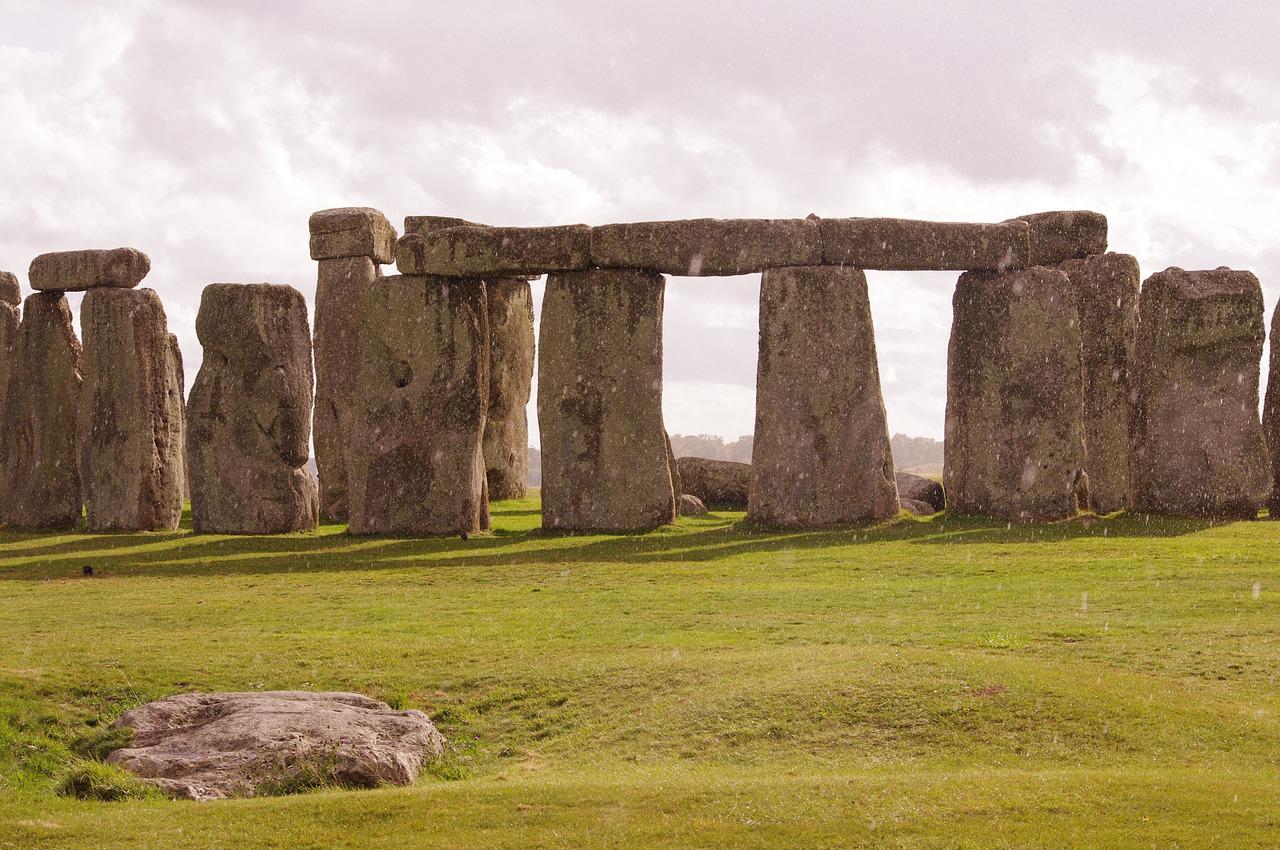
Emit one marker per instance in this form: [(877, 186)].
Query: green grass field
[(929, 683)]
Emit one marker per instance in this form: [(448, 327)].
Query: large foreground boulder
[(249, 413), (209, 746), (1014, 444), (725, 483), (821, 452), (1198, 446), (511, 347)]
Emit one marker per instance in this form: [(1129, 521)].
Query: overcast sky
[(206, 133)]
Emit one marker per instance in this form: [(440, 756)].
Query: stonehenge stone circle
[(130, 417), (821, 453), (1106, 287), (41, 478), (1270, 416), (249, 413), (416, 465), (1065, 235), (1014, 446), (349, 244), (78, 271), (511, 350), (724, 483), (894, 244), (1198, 447), (605, 463), (707, 246), (479, 251)]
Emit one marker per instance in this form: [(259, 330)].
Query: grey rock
[(605, 463), (130, 416), (10, 321), (691, 506), (1065, 235), (1198, 446), (489, 252), (249, 413), (77, 271), (917, 507), (920, 489), (821, 453), (1014, 428), (421, 225), (10, 290), (707, 246), (902, 244), (511, 354), (725, 483), (208, 746), (352, 232), (1270, 415), (177, 383)]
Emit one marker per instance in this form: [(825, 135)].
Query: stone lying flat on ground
[(707, 246), (352, 232), (716, 482), (130, 416), (208, 746), (41, 478), (1065, 235), (1014, 446), (10, 290), (416, 465), (605, 463), (821, 452), (895, 244), (916, 507), (495, 251), (249, 413), (1270, 416), (691, 505), (511, 349), (1198, 446), (921, 489), (1106, 288), (76, 271)]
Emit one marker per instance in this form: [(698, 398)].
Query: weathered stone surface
[(821, 453), (341, 286), (707, 246), (352, 232), (10, 319), (129, 424), (691, 506), (76, 271), (423, 224), (511, 348), (920, 489), (604, 449), (1198, 447), (716, 482), (38, 422), (1065, 235), (495, 251), (249, 413), (10, 290), (205, 746), (1270, 415), (177, 384), (1014, 443), (916, 507), (416, 465), (1106, 288), (902, 244)]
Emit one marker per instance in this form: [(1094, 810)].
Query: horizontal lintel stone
[(707, 246), (477, 251), (1065, 235), (894, 244), (77, 271), (352, 232)]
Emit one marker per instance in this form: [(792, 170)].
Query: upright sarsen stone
[(511, 349), (1198, 447), (1271, 416), (1106, 288), (821, 453), (38, 424), (1014, 444), (416, 465), (10, 319), (249, 414), (605, 465), (130, 416)]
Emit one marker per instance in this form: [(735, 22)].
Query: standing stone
[(1198, 447), (1106, 288), (1271, 417), (605, 464), (349, 244), (511, 347), (10, 319), (821, 453), (1015, 429), (177, 385), (249, 415), (38, 431), (416, 460), (130, 417)]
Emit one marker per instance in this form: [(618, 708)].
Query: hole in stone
[(401, 374)]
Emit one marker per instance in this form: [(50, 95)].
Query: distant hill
[(916, 454), (705, 445)]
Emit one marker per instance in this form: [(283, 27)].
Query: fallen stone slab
[(716, 482), (894, 244), (821, 453), (477, 251), (1014, 446), (77, 271), (691, 505), (1065, 235), (511, 350), (10, 290), (209, 746), (917, 507), (352, 232), (921, 489), (1198, 444), (707, 246)]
